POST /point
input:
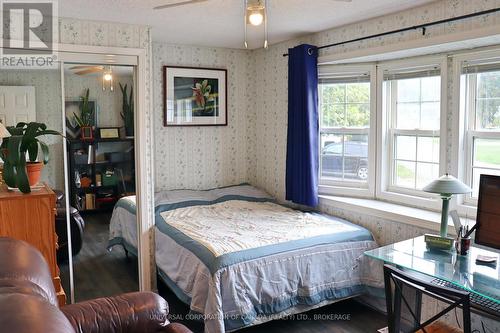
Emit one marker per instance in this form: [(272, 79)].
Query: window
[(481, 99), (412, 109), (380, 129), (345, 116)]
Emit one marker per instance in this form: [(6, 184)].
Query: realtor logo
[(28, 28)]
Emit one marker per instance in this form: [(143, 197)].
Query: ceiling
[(219, 23)]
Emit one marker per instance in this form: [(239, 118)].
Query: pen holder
[(462, 245)]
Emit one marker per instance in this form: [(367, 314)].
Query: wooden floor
[(101, 273), (358, 318), (98, 272)]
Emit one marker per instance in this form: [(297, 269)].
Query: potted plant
[(20, 153), (86, 118), (128, 110)]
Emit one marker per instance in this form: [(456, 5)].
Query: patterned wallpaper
[(48, 107), (110, 103), (203, 157), (48, 111), (270, 112)]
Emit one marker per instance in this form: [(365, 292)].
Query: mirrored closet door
[(88, 101), (99, 118)]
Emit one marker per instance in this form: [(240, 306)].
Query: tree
[(345, 104)]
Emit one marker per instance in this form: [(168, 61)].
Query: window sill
[(403, 214)]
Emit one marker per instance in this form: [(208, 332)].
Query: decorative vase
[(34, 171)]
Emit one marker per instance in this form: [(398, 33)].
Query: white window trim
[(461, 144), (418, 217), (383, 190), (352, 188)]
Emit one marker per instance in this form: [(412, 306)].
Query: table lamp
[(446, 186), (4, 133)]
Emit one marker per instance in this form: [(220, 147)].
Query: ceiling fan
[(86, 69), (107, 73), (189, 2), (255, 13)]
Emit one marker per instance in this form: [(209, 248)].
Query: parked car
[(354, 162)]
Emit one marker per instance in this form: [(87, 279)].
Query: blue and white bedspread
[(239, 259)]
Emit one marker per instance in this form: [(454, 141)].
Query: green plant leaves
[(127, 113), (14, 148), (15, 165), (9, 174), (86, 117), (45, 152), (33, 150), (22, 177)]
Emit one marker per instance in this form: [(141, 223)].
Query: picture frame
[(73, 106), (194, 96), (109, 132)]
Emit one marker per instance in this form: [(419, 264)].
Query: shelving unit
[(108, 165)]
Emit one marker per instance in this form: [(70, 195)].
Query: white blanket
[(238, 225), (279, 284)]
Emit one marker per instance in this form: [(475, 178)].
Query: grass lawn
[(487, 151)]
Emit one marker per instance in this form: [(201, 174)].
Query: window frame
[(463, 133), (385, 143), (351, 188)]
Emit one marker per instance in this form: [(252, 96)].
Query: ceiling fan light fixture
[(256, 14), (107, 79), (256, 17)]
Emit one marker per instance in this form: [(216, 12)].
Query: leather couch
[(28, 302)]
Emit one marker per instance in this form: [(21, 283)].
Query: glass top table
[(446, 265)]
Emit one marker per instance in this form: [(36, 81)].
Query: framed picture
[(109, 132), (72, 107), (194, 96)]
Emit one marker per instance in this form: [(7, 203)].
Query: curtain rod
[(415, 27)]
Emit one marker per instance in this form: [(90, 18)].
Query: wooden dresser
[(31, 217)]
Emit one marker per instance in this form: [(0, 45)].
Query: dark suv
[(355, 160)]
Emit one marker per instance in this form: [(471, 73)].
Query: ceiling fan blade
[(86, 66), (89, 71), (180, 3)]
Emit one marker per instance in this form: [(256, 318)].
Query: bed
[(238, 258)]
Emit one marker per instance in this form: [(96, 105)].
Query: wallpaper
[(47, 85), (109, 102), (269, 112), (203, 157), (271, 69)]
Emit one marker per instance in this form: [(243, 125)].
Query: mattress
[(238, 258)]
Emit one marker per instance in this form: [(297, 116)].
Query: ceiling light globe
[(108, 77), (256, 18)]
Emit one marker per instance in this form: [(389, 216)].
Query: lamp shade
[(3, 131), (447, 184)]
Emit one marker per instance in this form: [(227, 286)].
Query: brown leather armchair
[(28, 302)]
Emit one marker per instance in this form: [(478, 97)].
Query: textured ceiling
[(220, 22)]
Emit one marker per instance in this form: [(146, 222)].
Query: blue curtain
[(302, 160)]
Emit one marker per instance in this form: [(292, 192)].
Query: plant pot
[(86, 133), (34, 171)]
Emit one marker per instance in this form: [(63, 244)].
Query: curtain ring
[(310, 51)]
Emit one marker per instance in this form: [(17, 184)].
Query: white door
[(17, 104)]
